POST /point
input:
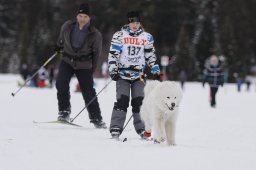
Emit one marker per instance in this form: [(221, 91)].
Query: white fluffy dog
[(160, 108)]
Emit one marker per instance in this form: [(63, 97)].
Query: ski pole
[(142, 78), (125, 139), (127, 122), (14, 93), (91, 100)]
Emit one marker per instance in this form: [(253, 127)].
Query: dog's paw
[(160, 140), (171, 144)]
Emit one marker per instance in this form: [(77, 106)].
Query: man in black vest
[(80, 44)]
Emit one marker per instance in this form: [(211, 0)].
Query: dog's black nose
[(173, 104)]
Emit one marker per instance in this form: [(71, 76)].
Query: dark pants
[(85, 79), (213, 91)]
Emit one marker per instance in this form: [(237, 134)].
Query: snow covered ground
[(207, 139)]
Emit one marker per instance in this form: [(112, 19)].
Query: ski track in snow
[(207, 138)]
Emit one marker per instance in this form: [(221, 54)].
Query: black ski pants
[(85, 79), (213, 92)]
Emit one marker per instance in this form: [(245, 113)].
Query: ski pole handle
[(49, 59)]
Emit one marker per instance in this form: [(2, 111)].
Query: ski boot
[(115, 133), (144, 135), (98, 123), (64, 115)]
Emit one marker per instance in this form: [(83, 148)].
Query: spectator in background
[(42, 76), (239, 81), (33, 81), (182, 78), (214, 76), (247, 82), (24, 71), (51, 71)]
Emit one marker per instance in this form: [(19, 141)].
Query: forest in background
[(188, 31)]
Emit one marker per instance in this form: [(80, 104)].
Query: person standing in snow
[(42, 76), (24, 71), (81, 44), (214, 76), (130, 51), (247, 82), (51, 71), (182, 78)]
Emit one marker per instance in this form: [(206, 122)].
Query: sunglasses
[(134, 19)]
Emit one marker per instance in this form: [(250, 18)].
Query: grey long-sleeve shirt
[(78, 36)]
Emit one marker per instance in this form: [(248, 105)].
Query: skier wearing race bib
[(130, 51)]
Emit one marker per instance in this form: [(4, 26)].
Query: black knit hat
[(84, 9), (133, 16)]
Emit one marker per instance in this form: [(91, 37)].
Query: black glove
[(115, 76), (156, 77), (58, 49)]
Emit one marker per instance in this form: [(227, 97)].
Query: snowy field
[(223, 138)]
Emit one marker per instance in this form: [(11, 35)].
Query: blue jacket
[(214, 75)]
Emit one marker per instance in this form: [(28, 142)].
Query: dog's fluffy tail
[(150, 85)]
